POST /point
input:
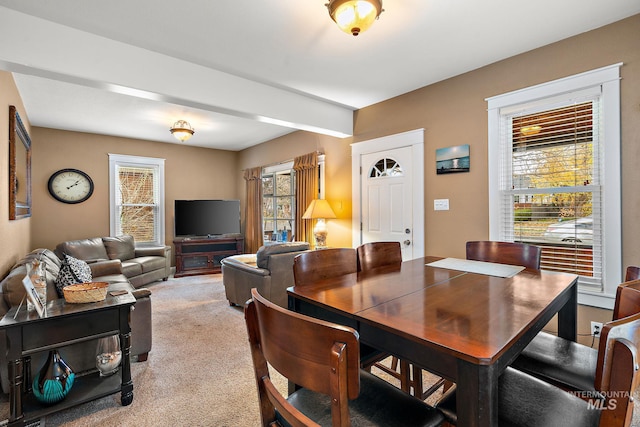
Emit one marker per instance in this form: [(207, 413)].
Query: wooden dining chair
[(511, 253), (379, 254), (627, 299), (569, 364), (310, 267), (524, 400), (632, 273), (322, 359)]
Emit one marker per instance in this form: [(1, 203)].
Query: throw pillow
[(121, 247), (73, 271)]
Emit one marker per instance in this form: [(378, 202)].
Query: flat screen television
[(206, 217)]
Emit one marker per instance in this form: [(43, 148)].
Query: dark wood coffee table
[(65, 324)]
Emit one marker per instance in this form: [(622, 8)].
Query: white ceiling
[(244, 71)]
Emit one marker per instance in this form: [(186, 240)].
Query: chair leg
[(405, 376), (428, 392), (416, 381), (394, 363), (447, 385), (410, 377)]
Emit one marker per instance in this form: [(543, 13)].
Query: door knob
[(407, 242)]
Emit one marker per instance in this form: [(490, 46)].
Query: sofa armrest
[(232, 262), (163, 251), (141, 293), (105, 268)]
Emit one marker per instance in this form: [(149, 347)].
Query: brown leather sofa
[(80, 357), (270, 271), (140, 265)]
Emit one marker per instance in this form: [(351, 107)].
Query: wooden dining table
[(465, 327)]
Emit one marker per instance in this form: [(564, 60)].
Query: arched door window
[(386, 167)]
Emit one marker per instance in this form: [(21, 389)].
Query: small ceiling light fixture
[(354, 16), (182, 130)]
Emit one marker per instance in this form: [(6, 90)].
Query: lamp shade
[(319, 209), (354, 16)]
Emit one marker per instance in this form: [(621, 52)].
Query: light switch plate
[(441, 204)]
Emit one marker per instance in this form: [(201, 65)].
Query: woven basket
[(85, 292)]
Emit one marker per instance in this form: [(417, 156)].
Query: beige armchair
[(270, 271)]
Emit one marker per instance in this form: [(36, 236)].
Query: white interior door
[(387, 204)]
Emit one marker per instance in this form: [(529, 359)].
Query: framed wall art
[(453, 159)]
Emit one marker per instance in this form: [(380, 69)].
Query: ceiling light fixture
[(182, 130), (354, 16)]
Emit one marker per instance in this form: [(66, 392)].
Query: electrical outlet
[(596, 328)]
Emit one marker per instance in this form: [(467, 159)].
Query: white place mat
[(480, 267)]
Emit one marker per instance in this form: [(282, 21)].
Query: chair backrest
[(633, 273), (510, 253), (314, 354), (378, 254), (627, 299), (309, 267), (617, 369)]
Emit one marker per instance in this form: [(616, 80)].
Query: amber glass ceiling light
[(182, 130), (354, 16)]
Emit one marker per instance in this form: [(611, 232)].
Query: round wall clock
[(70, 186)]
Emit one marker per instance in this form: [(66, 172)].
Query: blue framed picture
[(453, 159)]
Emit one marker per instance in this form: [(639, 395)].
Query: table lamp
[(319, 209)]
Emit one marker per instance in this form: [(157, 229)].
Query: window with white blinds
[(552, 195), (554, 176), (137, 201)]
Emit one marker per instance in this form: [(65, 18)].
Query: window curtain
[(306, 167), (253, 213)]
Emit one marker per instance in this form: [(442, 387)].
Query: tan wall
[(190, 173), (453, 112), (15, 235)]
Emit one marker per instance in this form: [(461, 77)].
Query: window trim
[(126, 160), (609, 80)]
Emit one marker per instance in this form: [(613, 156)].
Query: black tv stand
[(202, 255)]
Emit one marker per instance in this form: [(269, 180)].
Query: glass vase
[(36, 272), (108, 355), (54, 381)]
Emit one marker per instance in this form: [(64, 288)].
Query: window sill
[(599, 300)]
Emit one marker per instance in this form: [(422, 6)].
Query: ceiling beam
[(42, 48)]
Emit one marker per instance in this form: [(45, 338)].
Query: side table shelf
[(202, 255), (65, 324), (85, 389)]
